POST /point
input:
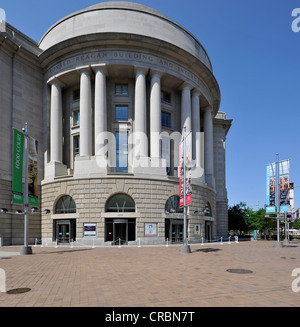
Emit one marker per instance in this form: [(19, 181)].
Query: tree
[(256, 220), (237, 216)]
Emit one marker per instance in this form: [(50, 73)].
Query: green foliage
[(244, 219)]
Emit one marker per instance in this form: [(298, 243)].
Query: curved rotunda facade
[(121, 82)]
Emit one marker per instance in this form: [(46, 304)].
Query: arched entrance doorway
[(120, 230), (64, 229)]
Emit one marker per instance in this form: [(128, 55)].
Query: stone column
[(85, 113), (100, 111), (140, 130), (56, 123), (155, 115), (186, 108), (209, 147)]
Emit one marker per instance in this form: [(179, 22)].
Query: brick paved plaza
[(153, 276)]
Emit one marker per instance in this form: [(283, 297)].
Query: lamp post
[(277, 244), (26, 249), (185, 248)]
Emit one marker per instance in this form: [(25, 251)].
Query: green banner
[(17, 171)]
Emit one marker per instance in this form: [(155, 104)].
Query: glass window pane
[(120, 203), (122, 152), (76, 117), (121, 113), (65, 204), (166, 119), (76, 145), (121, 89)]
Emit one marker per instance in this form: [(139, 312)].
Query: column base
[(55, 169), (278, 245), (185, 248), (25, 250), (156, 167), (87, 166)]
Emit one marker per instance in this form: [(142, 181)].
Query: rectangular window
[(76, 117), (166, 152), (122, 152), (76, 145), (121, 89), (165, 119), (166, 96), (76, 95), (121, 113)]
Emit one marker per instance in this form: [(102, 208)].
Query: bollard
[(229, 239), (139, 243), (167, 242), (35, 242), (221, 240), (93, 244), (202, 240), (119, 242)]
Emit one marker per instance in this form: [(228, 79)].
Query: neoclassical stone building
[(107, 92)]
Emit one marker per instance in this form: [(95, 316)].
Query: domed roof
[(123, 17)]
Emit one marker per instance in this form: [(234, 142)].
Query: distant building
[(107, 93)]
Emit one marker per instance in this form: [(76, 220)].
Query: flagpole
[(25, 249)]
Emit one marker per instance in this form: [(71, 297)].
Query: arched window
[(65, 204), (120, 203), (207, 210), (172, 205)]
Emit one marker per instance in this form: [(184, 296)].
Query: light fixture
[(34, 209), (19, 212), (3, 210), (46, 211)]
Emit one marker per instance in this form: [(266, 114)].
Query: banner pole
[(185, 247), (26, 249)]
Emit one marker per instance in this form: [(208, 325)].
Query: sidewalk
[(153, 277)]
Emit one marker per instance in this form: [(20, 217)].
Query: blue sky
[(256, 61)]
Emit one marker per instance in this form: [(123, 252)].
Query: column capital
[(154, 72), (100, 67), (84, 69), (55, 80), (143, 70), (207, 108), (185, 85), (196, 92)]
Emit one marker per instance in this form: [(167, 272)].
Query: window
[(76, 117), (172, 205), (165, 152), (122, 152), (76, 145), (166, 96), (207, 210), (121, 113), (121, 89), (120, 203), (165, 119), (65, 204), (76, 95)]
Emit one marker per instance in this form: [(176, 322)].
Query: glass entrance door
[(63, 232), (177, 232), (120, 231)]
